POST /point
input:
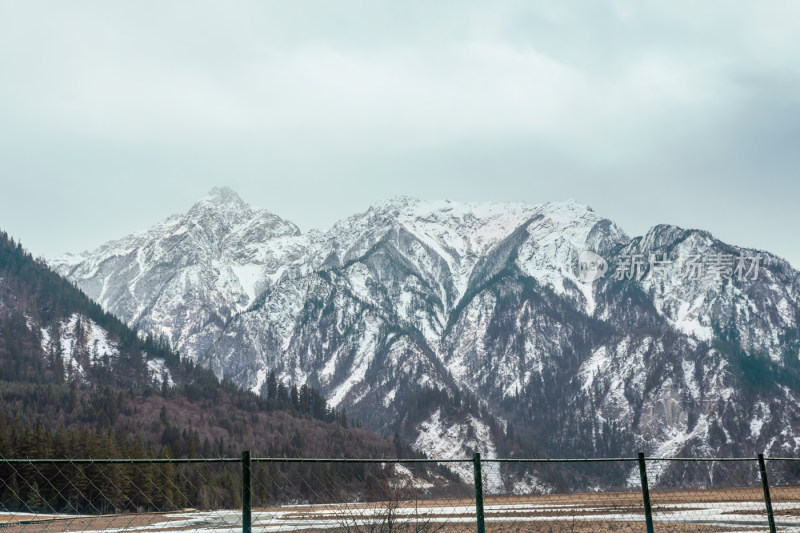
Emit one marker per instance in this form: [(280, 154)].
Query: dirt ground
[(693, 511)]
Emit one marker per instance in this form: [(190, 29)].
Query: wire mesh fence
[(555, 495), (252, 494), (784, 487), (707, 495), (356, 496), (116, 494)]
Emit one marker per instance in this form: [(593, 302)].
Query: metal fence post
[(247, 493), (767, 500), (648, 513), (476, 467)]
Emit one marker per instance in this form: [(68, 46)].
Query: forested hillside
[(75, 382)]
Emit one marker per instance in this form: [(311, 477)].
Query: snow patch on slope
[(80, 342), (363, 357), (592, 366), (159, 373), (446, 440)]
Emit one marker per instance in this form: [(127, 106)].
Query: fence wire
[(707, 495), (359, 496), (784, 481), (561, 496), (267, 495)]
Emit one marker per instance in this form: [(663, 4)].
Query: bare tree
[(397, 510)]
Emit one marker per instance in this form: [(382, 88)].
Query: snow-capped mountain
[(186, 277), (686, 345)]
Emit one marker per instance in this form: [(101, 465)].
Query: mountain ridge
[(487, 299)]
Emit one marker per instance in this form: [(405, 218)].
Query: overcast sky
[(114, 115)]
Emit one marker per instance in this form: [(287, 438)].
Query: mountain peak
[(396, 203), (223, 211), (221, 202), (568, 206), (222, 195)]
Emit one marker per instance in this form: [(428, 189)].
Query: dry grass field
[(695, 511)]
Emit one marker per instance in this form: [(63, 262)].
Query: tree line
[(114, 408), (103, 488)]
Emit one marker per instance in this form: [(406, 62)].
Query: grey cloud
[(661, 112)]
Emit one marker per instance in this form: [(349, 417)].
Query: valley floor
[(716, 511)]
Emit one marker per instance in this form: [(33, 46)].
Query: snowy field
[(691, 511)]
